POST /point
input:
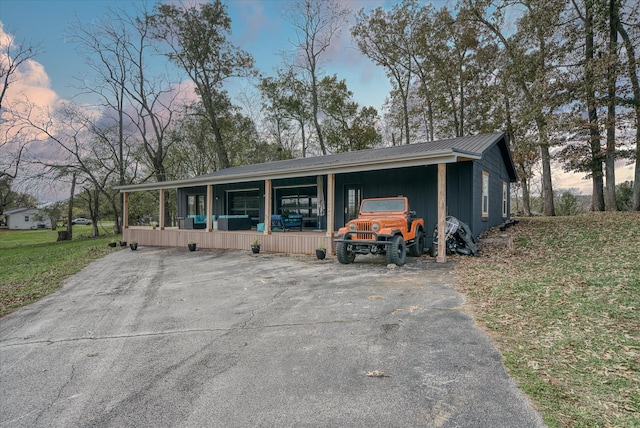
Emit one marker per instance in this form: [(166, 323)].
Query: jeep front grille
[(364, 226)]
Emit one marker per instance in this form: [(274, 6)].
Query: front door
[(353, 197)]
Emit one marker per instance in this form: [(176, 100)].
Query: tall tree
[(532, 51), (576, 155), (316, 23), (632, 67), (108, 46), (386, 38), (196, 39), (612, 75)]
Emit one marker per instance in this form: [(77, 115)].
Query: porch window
[(244, 202), (301, 200), (485, 194), (505, 199), (196, 205)]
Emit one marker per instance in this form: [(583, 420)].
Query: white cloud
[(29, 81)]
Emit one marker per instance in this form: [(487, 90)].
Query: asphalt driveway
[(170, 338)]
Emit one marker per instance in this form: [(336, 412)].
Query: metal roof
[(417, 154), (18, 210)]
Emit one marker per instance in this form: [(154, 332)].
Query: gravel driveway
[(164, 337)]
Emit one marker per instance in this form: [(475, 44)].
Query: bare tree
[(136, 107), (12, 56), (105, 45), (77, 147), (316, 23)]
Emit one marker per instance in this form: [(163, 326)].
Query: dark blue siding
[(493, 163), (419, 184)]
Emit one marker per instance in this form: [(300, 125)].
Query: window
[(302, 199), (244, 202), (353, 199), (26, 219), (196, 205), (485, 194), (505, 199)]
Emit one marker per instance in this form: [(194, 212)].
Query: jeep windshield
[(382, 205)]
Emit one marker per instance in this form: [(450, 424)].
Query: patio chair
[(277, 222), (293, 220)]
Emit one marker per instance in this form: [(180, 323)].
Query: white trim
[(485, 208)]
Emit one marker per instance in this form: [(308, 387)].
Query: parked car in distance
[(80, 220)]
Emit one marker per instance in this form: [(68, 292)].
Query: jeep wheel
[(418, 245), (397, 251), (345, 255)]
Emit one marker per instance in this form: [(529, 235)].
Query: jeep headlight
[(375, 227), (352, 227)]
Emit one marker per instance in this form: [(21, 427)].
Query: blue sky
[(257, 27)]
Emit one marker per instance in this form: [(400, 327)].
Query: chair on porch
[(293, 220), (277, 222)]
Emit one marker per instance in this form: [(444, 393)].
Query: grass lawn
[(562, 304), (33, 264)]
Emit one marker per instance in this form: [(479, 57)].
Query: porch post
[(161, 214), (331, 197), (125, 210), (442, 214), (267, 206), (209, 208)]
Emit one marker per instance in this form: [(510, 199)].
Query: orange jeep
[(384, 226)]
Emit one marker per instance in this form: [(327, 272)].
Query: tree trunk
[(70, 209), (304, 139), (405, 113), (597, 198), (118, 226), (221, 150), (633, 77), (610, 155), (95, 201), (545, 159), (314, 95), (526, 196)]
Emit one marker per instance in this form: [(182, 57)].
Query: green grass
[(563, 308), (33, 264)]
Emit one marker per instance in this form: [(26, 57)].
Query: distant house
[(467, 177), (27, 218)]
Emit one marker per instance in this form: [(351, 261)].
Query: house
[(27, 218), (467, 177)]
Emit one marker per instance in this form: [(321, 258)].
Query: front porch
[(289, 242)]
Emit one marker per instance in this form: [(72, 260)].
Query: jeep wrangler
[(384, 226)]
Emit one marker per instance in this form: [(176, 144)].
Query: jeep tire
[(397, 251), (417, 248), (345, 256)]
